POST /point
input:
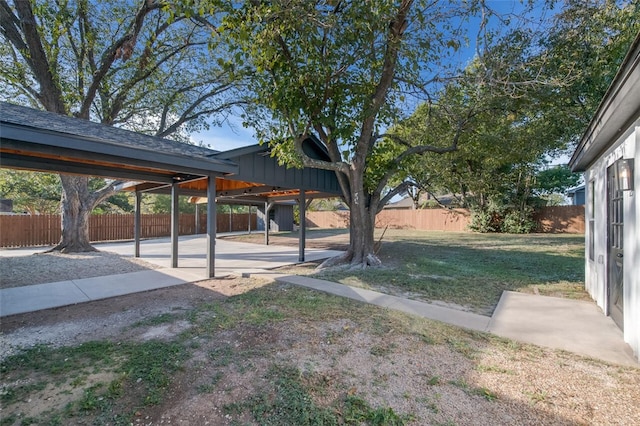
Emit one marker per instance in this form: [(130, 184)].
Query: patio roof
[(44, 141), (259, 178)]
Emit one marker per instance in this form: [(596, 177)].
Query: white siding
[(628, 146), (632, 251)]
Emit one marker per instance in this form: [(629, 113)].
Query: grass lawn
[(468, 269), (282, 355)]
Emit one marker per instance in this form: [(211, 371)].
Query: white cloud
[(225, 137)]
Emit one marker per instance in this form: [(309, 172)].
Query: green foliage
[(345, 72), (35, 193), (503, 218), (556, 179), (161, 203), (168, 79), (40, 193)]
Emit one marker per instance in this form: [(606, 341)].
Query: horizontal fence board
[(44, 230)]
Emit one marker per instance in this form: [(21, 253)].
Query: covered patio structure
[(43, 141)]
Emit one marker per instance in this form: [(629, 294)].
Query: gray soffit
[(40, 140), (619, 108)]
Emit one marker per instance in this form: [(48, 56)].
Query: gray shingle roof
[(44, 120)]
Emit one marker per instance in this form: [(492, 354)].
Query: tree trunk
[(361, 252), (77, 204)]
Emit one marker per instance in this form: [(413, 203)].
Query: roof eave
[(619, 108)]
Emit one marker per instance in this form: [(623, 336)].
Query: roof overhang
[(619, 108), (118, 156)]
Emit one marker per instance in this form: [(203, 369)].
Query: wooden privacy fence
[(560, 219), (44, 230), (26, 231), (569, 219), (427, 219)]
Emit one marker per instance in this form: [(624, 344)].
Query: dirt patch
[(111, 318)]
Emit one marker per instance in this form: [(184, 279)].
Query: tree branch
[(121, 48), (396, 31), (389, 195), (49, 93)]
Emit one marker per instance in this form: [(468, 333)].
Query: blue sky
[(230, 135)]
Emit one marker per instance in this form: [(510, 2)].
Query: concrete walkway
[(571, 325)]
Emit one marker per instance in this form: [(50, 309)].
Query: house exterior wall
[(596, 259)]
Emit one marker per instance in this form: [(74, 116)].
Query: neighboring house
[(576, 195), (426, 201), (606, 154)]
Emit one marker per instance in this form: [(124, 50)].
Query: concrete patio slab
[(572, 325), (32, 298), (231, 258)]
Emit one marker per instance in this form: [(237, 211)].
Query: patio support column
[(136, 225), (303, 219), (250, 218), (211, 226), (175, 222), (267, 207), (197, 218)]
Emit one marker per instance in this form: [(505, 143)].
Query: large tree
[(147, 65), (346, 72), (537, 108)]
